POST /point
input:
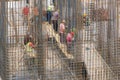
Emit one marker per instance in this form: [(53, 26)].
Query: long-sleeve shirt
[(55, 15), (62, 28), (69, 38)]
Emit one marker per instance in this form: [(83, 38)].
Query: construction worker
[(29, 48), (28, 38), (36, 14), (54, 19), (35, 10), (30, 58), (49, 14), (25, 13), (74, 36), (85, 19), (44, 17), (28, 42), (62, 31), (30, 53), (69, 38)]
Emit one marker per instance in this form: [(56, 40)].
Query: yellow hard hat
[(84, 14)]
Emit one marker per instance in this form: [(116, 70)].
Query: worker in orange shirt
[(25, 13), (36, 14)]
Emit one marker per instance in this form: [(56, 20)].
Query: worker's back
[(26, 11), (69, 38)]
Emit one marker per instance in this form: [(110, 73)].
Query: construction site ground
[(55, 66)]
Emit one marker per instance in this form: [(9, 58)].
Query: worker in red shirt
[(25, 13)]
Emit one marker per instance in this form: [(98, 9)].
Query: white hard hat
[(63, 21), (30, 36)]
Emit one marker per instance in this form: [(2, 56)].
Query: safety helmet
[(84, 14), (63, 21), (72, 33)]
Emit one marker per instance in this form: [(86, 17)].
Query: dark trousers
[(69, 47), (62, 38), (55, 25), (25, 20), (49, 15)]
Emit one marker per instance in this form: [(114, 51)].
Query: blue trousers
[(49, 15)]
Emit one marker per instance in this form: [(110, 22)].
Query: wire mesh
[(70, 39)]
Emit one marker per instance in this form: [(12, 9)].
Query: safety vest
[(49, 8), (28, 47)]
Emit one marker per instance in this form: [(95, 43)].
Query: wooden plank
[(63, 47)]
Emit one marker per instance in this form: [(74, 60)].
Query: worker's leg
[(50, 17), (53, 24), (47, 15), (56, 25), (68, 47), (25, 18), (27, 61), (61, 38)]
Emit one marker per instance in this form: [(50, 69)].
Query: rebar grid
[(92, 55)]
